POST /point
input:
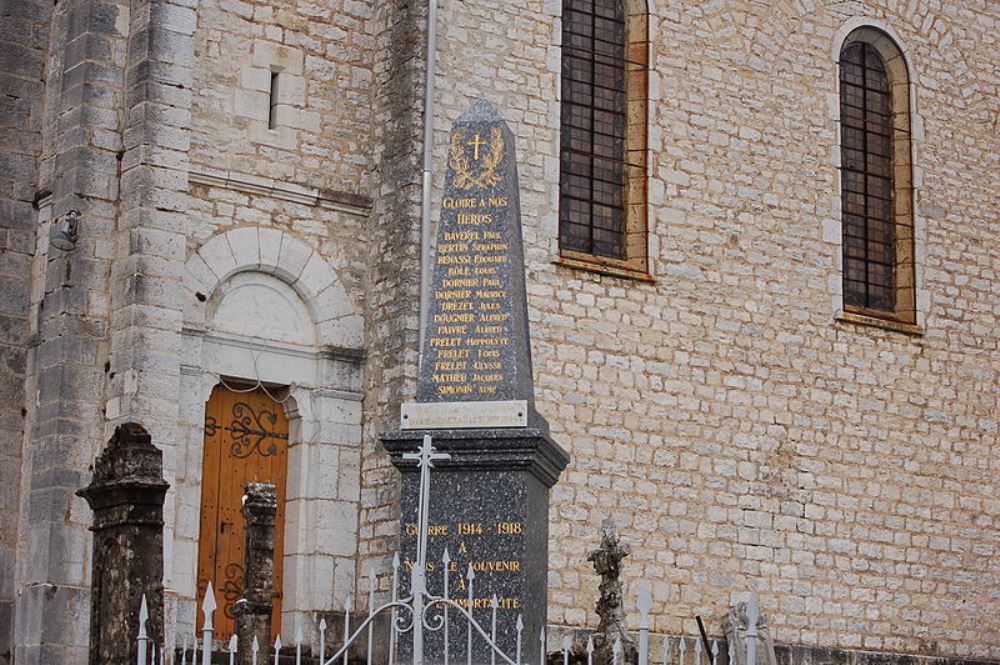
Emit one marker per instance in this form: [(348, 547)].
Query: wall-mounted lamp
[(66, 231)]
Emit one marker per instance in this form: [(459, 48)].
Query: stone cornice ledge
[(352, 204), (502, 449)]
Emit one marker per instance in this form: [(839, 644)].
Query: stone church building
[(763, 277)]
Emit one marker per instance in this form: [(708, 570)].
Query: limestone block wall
[(104, 319), (24, 37), (330, 226), (322, 54), (735, 428)]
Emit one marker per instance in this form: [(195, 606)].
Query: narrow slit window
[(272, 112)]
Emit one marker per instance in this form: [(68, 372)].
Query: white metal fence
[(421, 612), (200, 650)]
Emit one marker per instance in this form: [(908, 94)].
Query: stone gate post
[(253, 611), (126, 495)]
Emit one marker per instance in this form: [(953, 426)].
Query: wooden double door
[(246, 440)]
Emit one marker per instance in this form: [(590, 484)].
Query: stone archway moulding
[(856, 22), (264, 249)]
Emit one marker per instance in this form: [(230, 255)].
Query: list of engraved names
[(470, 333)]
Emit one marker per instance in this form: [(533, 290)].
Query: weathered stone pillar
[(253, 611), (126, 495)]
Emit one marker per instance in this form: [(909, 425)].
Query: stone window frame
[(911, 301), (635, 263)]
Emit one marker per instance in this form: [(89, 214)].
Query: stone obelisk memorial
[(489, 502)]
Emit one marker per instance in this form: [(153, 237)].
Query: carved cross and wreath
[(465, 173)]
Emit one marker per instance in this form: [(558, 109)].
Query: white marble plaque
[(463, 415)]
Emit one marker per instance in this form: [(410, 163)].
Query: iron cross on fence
[(425, 456)]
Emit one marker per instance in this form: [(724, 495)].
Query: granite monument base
[(489, 506)]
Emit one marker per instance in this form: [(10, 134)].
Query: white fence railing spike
[(520, 634), (143, 637), (681, 649), (322, 640), (567, 645), (394, 613), (233, 643), (254, 649), (277, 648), (470, 576), (143, 616), (208, 607), (347, 625), (753, 616), (371, 612), (697, 652), (446, 593), (494, 605), (541, 650), (590, 650)]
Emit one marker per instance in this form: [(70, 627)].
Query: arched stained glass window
[(603, 133)]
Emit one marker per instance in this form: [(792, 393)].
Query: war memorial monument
[(489, 500)]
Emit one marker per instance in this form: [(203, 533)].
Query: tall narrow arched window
[(602, 188), (876, 182)]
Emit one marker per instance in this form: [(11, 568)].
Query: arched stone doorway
[(264, 309)]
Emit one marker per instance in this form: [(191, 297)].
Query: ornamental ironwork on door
[(246, 440)]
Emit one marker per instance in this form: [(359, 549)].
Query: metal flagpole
[(425, 213)]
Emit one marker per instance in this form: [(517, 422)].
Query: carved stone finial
[(607, 560)]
